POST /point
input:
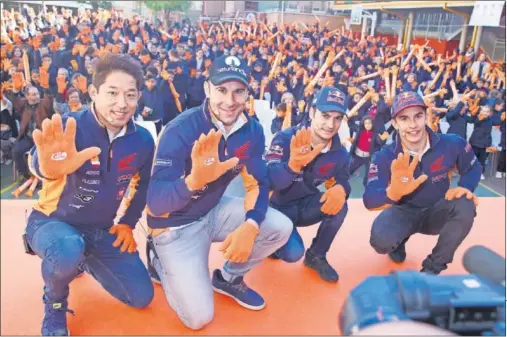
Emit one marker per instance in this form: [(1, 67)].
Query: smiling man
[(71, 226), (411, 178), (198, 155), (299, 160)]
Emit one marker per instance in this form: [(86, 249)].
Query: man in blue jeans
[(71, 225), (198, 155), (299, 160)]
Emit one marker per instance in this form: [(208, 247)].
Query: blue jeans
[(452, 220), (63, 247), (306, 212), (183, 254)]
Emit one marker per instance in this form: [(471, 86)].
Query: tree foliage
[(106, 4), (168, 5)]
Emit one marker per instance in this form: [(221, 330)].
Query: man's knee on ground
[(293, 251), (143, 296), (65, 254), (382, 239), (199, 319)]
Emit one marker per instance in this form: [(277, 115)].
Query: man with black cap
[(410, 179), (299, 160), (198, 155)]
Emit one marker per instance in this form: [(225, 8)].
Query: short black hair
[(117, 62)]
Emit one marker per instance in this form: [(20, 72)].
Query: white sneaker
[(8, 162), (499, 175), (482, 177)]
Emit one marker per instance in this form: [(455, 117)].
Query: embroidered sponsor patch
[(93, 173), (76, 206), (123, 178), (274, 153), (95, 162), (91, 181), (438, 178), (84, 198), (88, 190), (120, 193), (163, 162)]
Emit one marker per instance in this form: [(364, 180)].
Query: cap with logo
[(406, 100), (229, 68), (331, 99)]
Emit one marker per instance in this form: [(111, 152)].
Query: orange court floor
[(297, 301)]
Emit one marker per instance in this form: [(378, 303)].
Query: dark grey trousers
[(451, 220)]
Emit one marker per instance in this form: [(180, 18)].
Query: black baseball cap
[(229, 68)]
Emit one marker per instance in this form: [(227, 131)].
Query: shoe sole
[(396, 261), (243, 304)]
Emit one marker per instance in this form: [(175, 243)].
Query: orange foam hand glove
[(502, 117), (62, 84), (301, 153), (491, 149), (402, 177), (333, 199), (238, 245), (17, 81), (458, 192), (125, 238), (56, 149), (206, 165), (44, 78), (74, 65), (384, 136)]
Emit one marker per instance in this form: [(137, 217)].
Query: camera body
[(462, 304)]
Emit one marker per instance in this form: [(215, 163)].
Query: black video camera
[(462, 304)]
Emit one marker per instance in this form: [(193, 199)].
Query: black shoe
[(320, 264), (399, 254), (151, 270)]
